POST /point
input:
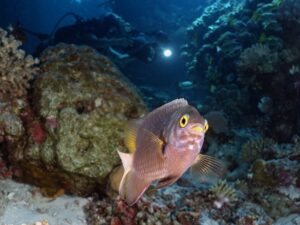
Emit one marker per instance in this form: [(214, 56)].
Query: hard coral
[(280, 172), (252, 44), (258, 59), (288, 11), (16, 69), (255, 149), (84, 102), (217, 121)]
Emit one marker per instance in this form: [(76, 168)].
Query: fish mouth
[(198, 129)]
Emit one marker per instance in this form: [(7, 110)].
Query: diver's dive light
[(167, 52)]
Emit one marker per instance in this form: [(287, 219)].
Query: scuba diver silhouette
[(110, 35)]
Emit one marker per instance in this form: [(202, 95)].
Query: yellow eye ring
[(206, 126), (184, 120)]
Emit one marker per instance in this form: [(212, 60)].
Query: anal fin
[(133, 187)]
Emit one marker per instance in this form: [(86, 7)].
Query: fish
[(162, 146), (186, 85)]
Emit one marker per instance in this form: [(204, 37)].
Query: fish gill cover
[(63, 111)]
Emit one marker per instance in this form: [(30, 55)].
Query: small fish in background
[(163, 145), (186, 85)]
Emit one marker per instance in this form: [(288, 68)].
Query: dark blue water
[(171, 17)]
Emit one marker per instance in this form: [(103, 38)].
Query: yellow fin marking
[(130, 135)]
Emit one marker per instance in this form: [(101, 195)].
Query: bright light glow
[(167, 53)]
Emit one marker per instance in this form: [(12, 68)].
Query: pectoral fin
[(132, 187), (153, 142), (207, 165)]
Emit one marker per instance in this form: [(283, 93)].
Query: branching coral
[(223, 194), (16, 69)]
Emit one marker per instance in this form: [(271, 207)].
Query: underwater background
[(74, 72)]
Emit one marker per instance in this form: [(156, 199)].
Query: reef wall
[(247, 52)]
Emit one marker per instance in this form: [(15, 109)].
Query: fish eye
[(206, 126), (184, 120)]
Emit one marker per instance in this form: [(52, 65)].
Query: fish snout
[(198, 128)]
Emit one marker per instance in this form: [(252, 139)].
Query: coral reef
[(247, 54), (217, 121), (16, 71), (175, 205), (250, 48), (272, 173), (288, 11), (80, 103), (257, 59), (256, 149), (273, 183)]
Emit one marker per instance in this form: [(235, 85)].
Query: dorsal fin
[(153, 122), (156, 120)]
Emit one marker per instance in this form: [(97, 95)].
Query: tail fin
[(132, 187)]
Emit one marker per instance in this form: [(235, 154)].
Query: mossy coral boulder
[(83, 103)]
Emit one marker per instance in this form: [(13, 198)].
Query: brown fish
[(163, 145)]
